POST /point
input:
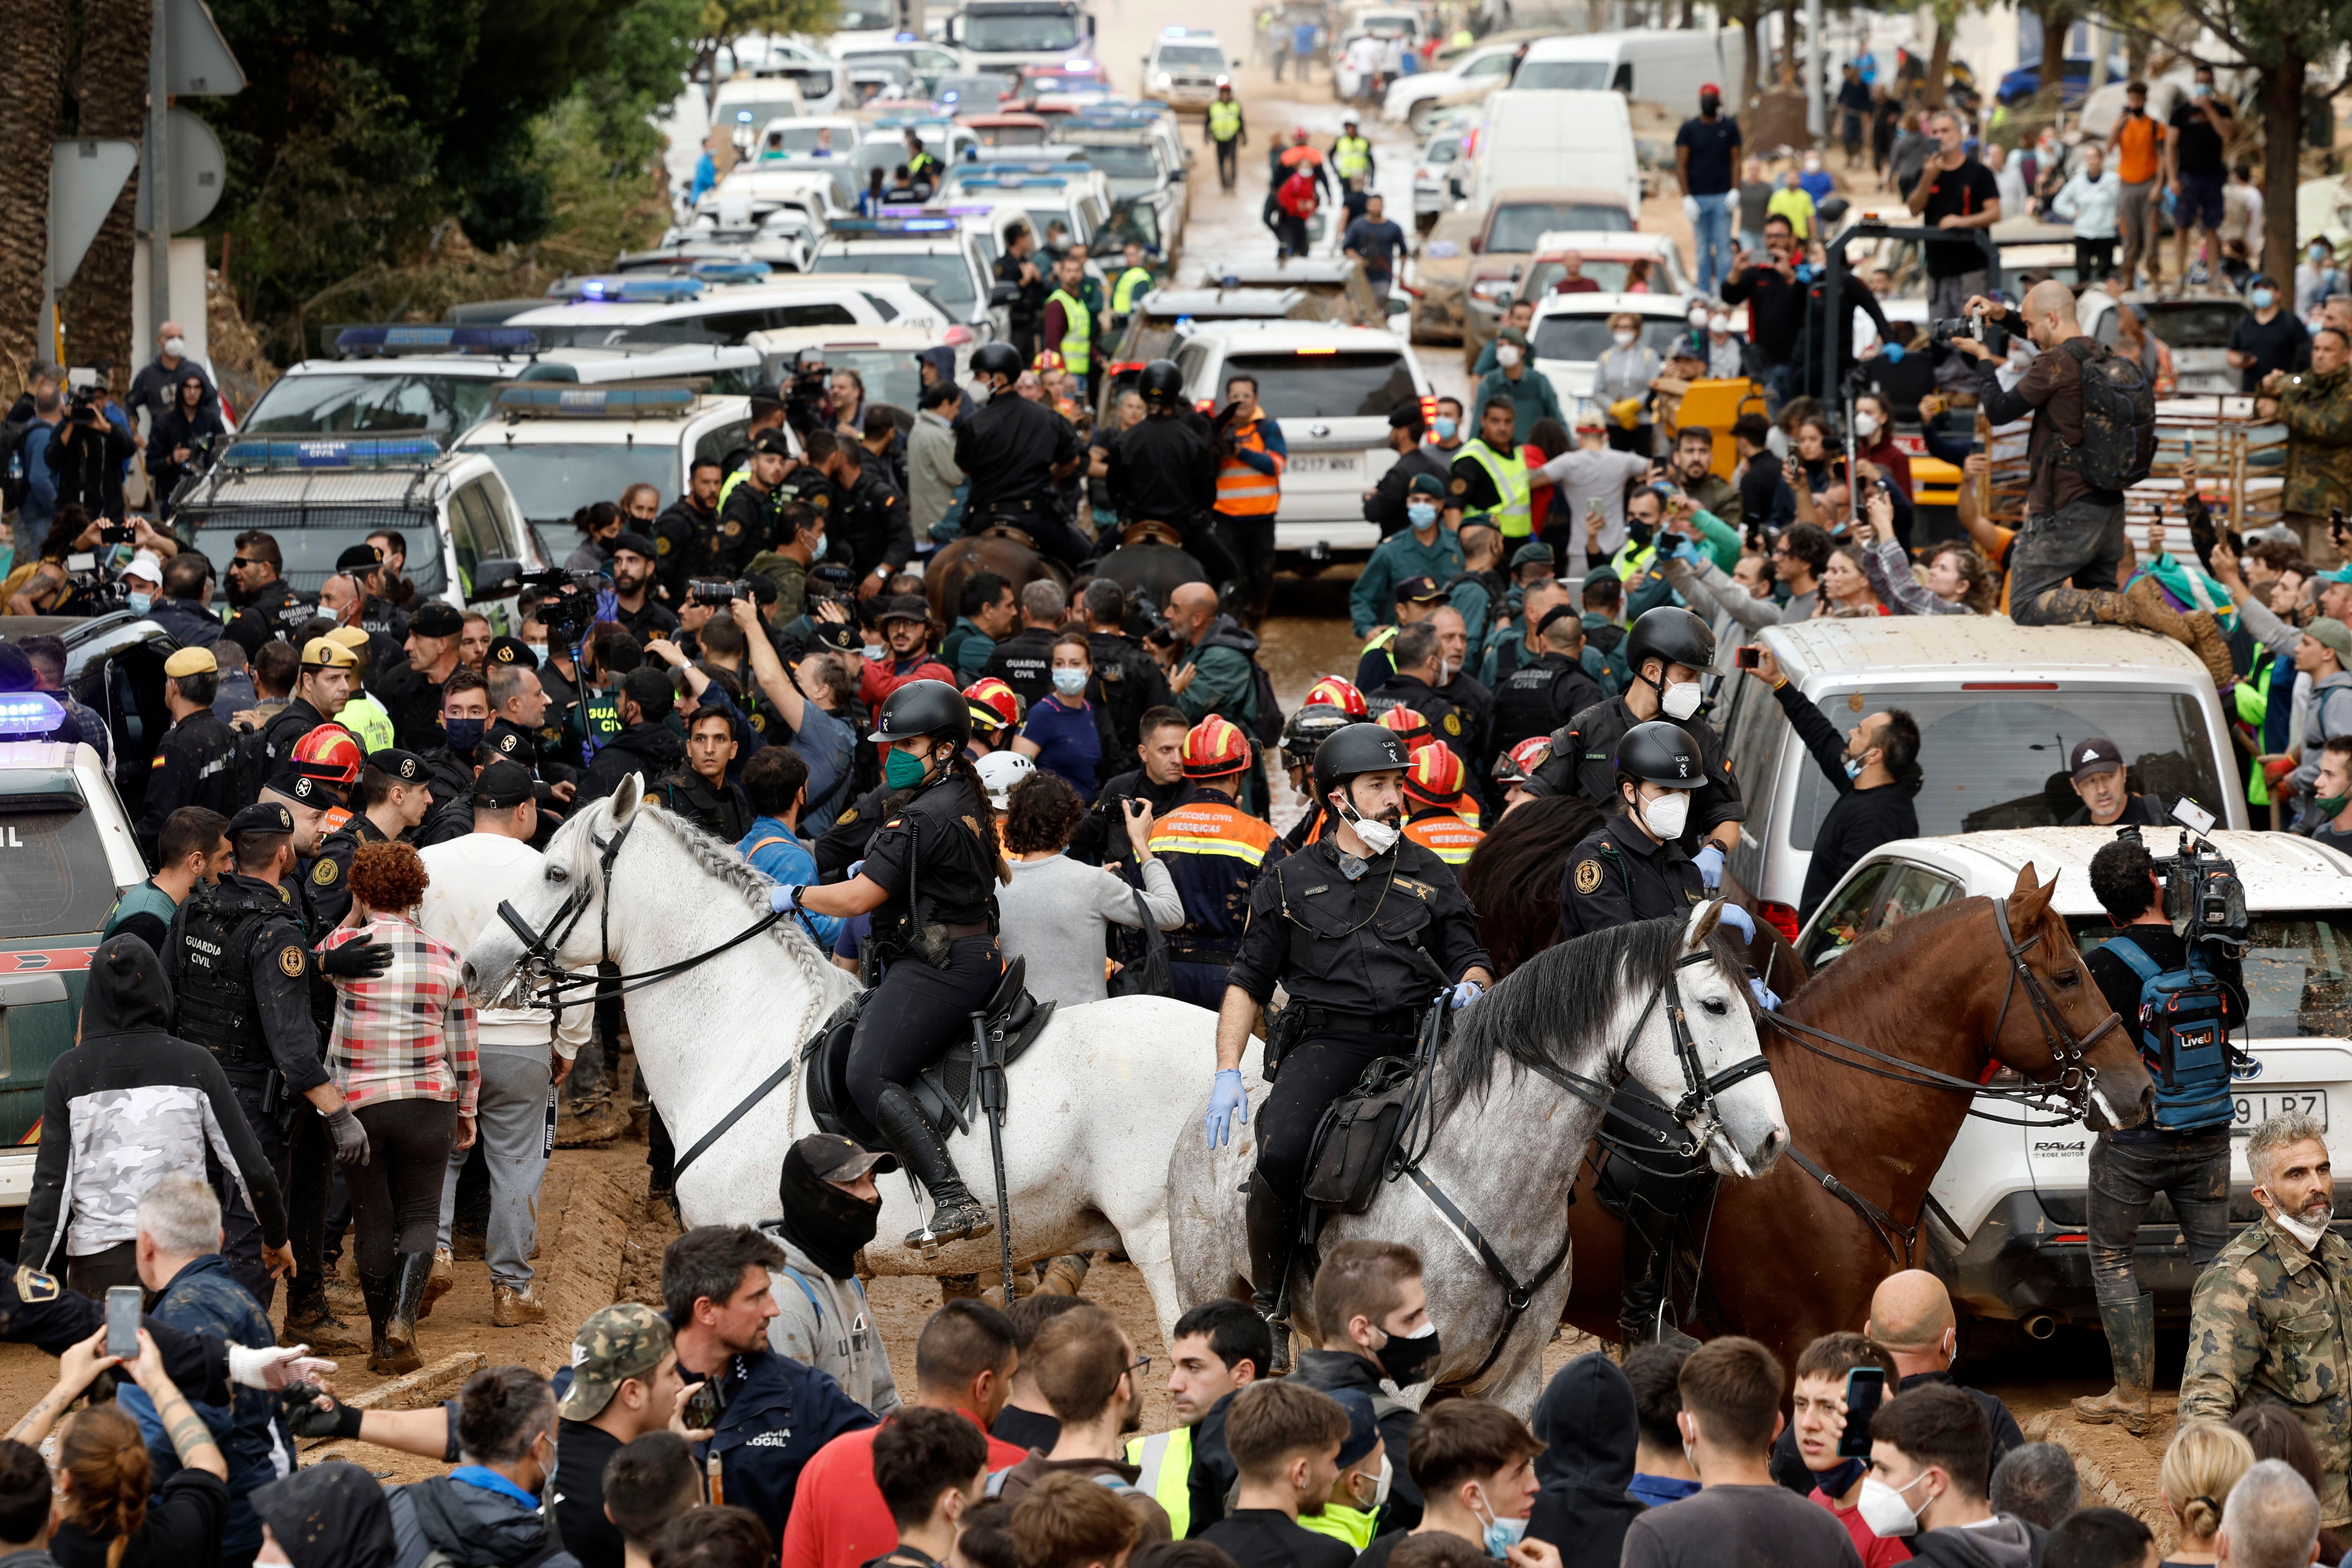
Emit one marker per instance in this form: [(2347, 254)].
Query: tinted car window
[(1851, 910), (1997, 759), (1192, 56), (53, 880), (310, 540), (2195, 323), (1020, 32), (369, 404), (1587, 337), (1610, 274), (1134, 163), (550, 480), (1326, 387), (949, 274), (1522, 224)]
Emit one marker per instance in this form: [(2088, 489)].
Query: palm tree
[(110, 83), (31, 62)]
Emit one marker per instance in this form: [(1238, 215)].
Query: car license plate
[(1328, 465), (2259, 1106)]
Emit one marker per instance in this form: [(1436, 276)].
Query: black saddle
[(946, 1089)]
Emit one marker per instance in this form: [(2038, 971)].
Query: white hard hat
[(999, 772)]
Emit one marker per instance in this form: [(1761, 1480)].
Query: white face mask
[(1697, 317), (175, 347), (1668, 815), (1885, 1510), (1378, 836), (1507, 354), (2307, 1233), (1866, 426), (1680, 700), (1718, 325), (1624, 340), (1379, 1489)]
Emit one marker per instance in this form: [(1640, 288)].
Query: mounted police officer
[(1668, 650), (927, 882), (240, 971), (1016, 452), (1164, 469), (1633, 868), (1363, 928)]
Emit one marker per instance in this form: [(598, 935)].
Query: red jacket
[(839, 1518), (877, 678)]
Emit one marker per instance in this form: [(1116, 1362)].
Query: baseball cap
[(2332, 635), (2341, 574), (144, 567), (262, 816), (1418, 590), (901, 607), (191, 661), (2095, 756), (503, 786), (830, 1157), (616, 1344), (1364, 1425), (435, 618)]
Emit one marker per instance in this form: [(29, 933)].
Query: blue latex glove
[(1467, 992), (1765, 999), (780, 896), (1709, 861), (1227, 1099), (1892, 353), (1739, 919), (855, 868)]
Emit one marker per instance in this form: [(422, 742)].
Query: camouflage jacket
[(2318, 419), (2268, 1320)]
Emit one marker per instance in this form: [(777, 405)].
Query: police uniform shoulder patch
[(289, 960), (849, 816), (731, 530), (1461, 486), (661, 545), (1453, 723), (324, 872), (1587, 877), (33, 1287)]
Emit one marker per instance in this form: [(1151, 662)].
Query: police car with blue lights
[(938, 248), (1052, 187), (609, 310), (1186, 66), (560, 448), (468, 543)]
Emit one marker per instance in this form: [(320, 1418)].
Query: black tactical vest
[(217, 1009), (1523, 703)]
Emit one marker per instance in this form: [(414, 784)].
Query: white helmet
[(999, 772)]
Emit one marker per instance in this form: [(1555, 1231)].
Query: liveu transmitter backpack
[(2184, 1023)]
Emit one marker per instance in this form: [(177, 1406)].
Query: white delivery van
[(1656, 67), (1580, 138)]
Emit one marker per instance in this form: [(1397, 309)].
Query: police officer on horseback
[(927, 882), (1016, 452), (1668, 649), (1165, 469), (1633, 868), (1363, 928)]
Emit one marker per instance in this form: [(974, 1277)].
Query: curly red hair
[(388, 877)]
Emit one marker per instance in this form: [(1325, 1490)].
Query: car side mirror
[(495, 580), (1003, 294), (1477, 244), (1399, 304), (1175, 174)]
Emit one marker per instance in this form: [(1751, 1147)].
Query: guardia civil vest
[(1166, 1461), (1078, 331), (1244, 492), (1352, 155), (1515, 514), (1225, 124), (217, 1008), (146, 899), (1132, 282)]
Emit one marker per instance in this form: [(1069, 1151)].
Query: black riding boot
[(379, 1289), (1273, 1232), (1648, 1260), (956, 1213)]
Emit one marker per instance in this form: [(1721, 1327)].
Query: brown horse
[(1783, 1260), (996, 552), (1150, 562)]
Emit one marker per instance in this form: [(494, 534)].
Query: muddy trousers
[(2192, 1170), (2061, 570)]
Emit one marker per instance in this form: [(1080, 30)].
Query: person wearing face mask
[(2316, 277), (1531, 396), (487, 1513), (1387, 503), (1425, 547), (450, 767), (830, 1206), (926, 881), (1875, 771), (2197, 170), (2268, 337), (1817, 1406), (1374, 1310), (1285, 1439), (1930, 1463), (1476, 1465), (1357, 992), (158, 381), (1620, 383), (1707, 151), (1731, 1412), (1445, 432), (1727, 356)]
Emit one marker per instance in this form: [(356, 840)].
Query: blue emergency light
[(547, 399), (608, 289), (716, 270), (398, 339), (1082, 66), (29, 713), (333, 452), (892, 225)]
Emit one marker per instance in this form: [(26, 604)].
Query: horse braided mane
[(1556, 1009)]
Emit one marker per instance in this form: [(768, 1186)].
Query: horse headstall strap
[(1517, 1297), (1883, 1225)]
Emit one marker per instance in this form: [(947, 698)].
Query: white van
[(1582, 138), (1656, 67)]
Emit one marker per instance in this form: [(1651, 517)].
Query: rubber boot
[(409, 1279), (379, 1289), (1642, 1297), (1273, 1221), (2131, 1346), (2145, 605), (955, 1213), (445, 1275)]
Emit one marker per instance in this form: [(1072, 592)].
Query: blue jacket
[(788, 862), (779, 1413)]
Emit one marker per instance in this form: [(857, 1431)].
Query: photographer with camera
[(86, 453), (2094, 432), (807, 407), (2178, 996)]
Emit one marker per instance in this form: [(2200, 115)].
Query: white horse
[(1098, 1102), (1509, 1134)]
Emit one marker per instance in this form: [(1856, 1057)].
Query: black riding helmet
[(996, 359), (1673, 635), (1356, 749), (1661, 754), (931, 708), (1308, 728), (1161, 384)]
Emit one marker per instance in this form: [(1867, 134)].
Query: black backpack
[(2118, 418)]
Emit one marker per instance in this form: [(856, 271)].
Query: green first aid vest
[(1134, 280), (1352, 155), (1078, 332), (367, 720), (1166, 1461), (1225, 124), (1515, 516)]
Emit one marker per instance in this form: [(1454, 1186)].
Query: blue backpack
[(2185, 1027)]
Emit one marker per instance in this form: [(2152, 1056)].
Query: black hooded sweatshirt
[(330, 1515), (643, 748), (127, 1107), (1585, 1419)]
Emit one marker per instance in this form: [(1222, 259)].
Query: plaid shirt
[(407, 1033)]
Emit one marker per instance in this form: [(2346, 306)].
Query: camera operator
[(807, 407), (2072, 541), (86, 455), (2184, 1152)]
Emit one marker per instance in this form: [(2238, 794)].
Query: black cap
[(262, 816), (435, 618), (767, 392), (301, 788), (503, 786), (360, 558), (1557, 613), (635, 544), (1418, 590), (773, 441), (406, 767), (830, 1157), (901, 607), (512, 650)]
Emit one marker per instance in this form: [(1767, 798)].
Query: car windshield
[(864, 16), (335, 402), (889, 376), (1192, 56), (1020, 32), (949, 275), (309, 539), (1995, 759), (1011, 135), (1444, 150), (2194, 323), (552, 479), (983, 91), (1587, 337), (1326, 385), (756, 112), (803, 140), (2298, 970), (1127, 162), (59, 883), (1580, 76), (1522, 224), (1608, 273)]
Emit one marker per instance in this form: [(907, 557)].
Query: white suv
[(561, 448), (2006, 1219), (1331, 389)]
